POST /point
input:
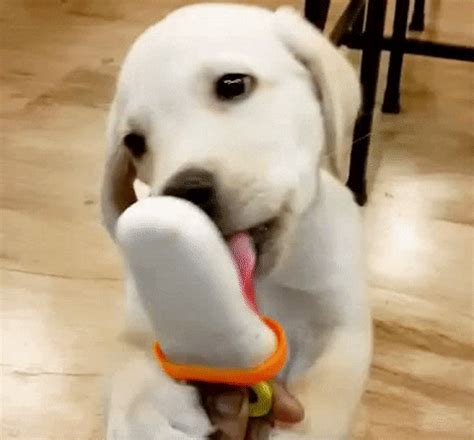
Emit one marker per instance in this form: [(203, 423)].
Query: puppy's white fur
[(282, 151)]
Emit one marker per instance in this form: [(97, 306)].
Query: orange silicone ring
[(232, 376)]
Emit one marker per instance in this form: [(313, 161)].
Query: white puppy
[(256, 110)]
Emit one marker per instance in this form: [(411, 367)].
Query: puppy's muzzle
[(196, 185)]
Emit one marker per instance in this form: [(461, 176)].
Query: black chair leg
[(391, 102), (358, 27), (316, 11), (370, 65), (418, 18)]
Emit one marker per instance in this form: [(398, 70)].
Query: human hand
[(228, 411)]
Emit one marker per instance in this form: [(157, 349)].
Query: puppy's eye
[(136, 143), (234, 86)]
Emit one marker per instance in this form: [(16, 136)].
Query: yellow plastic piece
[(263, 405)]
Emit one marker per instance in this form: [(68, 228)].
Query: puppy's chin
[(273, 247), (279, 240), (268, 259)]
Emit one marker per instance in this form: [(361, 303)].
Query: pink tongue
[(243, 254)]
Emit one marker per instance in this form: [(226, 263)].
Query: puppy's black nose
[(195, 185)]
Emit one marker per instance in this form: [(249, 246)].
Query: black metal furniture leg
[(391, 101), (418, 18), (370, 65), (358, 27), (345, 24), (316, 11)]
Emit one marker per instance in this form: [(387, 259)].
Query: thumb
[(228, 411), (286, 408)]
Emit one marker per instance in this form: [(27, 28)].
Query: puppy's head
[(234, 108)]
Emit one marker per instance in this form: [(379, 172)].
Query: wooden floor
[(61, 304)]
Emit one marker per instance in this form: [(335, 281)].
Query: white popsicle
[(187, 282)]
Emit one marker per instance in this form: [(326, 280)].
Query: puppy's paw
[(278, 434), (181, 405), (145, 404)]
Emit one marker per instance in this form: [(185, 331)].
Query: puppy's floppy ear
[(117, 192), (334, 78)]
